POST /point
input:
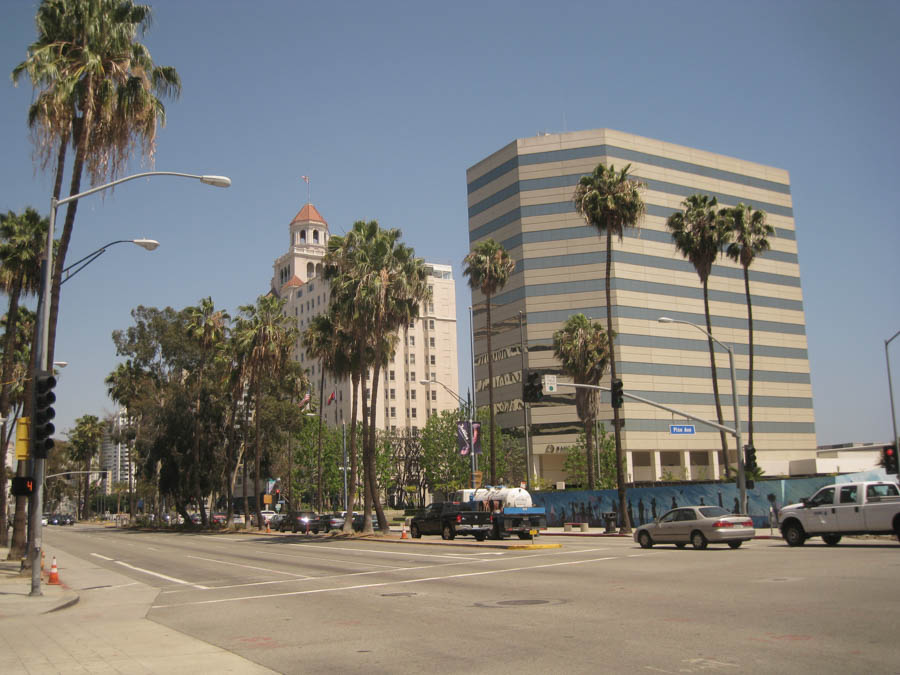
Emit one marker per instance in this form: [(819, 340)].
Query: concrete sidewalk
[(95, 622)]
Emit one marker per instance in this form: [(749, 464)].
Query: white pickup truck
[(843, 508)]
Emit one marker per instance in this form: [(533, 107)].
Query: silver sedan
[(697, 525)]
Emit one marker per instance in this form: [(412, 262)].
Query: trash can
[(609, 517)]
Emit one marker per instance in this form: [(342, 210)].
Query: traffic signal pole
[(736, 432)]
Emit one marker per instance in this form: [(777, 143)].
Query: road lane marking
[(386, 583), (103, 557), (161, 576), (250, 567)]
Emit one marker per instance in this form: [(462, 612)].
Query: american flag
[(303, 402), (330, 398), (306, 178)]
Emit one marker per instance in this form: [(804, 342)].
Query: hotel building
[(522, 197), (427, 348)]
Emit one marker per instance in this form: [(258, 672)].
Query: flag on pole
[(306, 178), (303, 402), (330, 398)]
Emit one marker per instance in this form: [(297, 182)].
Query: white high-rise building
[(427, 348), (114, 455)]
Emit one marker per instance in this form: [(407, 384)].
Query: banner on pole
[(462, 438)]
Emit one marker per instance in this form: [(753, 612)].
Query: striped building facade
[(521, 196)]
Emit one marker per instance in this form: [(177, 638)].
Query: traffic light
[(533, 389), (616, 393), (750, 458), (42, 427), (889, 458)]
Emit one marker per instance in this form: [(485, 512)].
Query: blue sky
[(384, 105)]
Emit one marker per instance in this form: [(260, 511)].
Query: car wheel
[(698, 541), (735, 544), (414, 531), (644, 539), (448, 533), (831, 539), (680, 544), (793, 534), (480, 536)]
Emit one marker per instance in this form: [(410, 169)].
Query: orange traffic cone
[(54, 573), (403, 532), (268, 531), (42, 560)]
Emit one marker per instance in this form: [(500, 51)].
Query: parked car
[(53, 519), (450, 519), (697, 525), (335, 521), (301, 521), (266, 517), (217, 519), (67, 519)]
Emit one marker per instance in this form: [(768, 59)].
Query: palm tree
[(267, 335), (98, 88), (750, 231), (386, 283), (126, 386), (206, 326), (582, 348), (84, 445), (22, 238), (610, 201), (489, 267), (700, 235)]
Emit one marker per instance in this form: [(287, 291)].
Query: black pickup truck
[(450, 519)]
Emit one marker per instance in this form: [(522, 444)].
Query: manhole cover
[(515, 603), (397, 595)]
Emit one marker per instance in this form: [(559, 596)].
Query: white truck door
[(850, 515), (820, 513)]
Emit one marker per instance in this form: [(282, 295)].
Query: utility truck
[(871, 507), (511, 510)]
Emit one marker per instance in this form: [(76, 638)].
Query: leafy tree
[(444, 468), (700, 234), (489, 267), (750, 231), (610, 201), (582, 348)]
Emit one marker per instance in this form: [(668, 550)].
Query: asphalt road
[(300, 604)]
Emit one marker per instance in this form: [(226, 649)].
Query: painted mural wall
[(648, 503)]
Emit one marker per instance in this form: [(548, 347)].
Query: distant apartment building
[(522, 196), (427, 348), (114, 454)]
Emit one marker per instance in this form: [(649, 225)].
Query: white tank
[(499, 497)]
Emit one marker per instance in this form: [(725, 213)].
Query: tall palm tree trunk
[(351, 483), (369, 452), (490, 356), (6, 374), (367, 494), (750, 347), (715, 379), (589, 449), (258, 454), (620, 455)]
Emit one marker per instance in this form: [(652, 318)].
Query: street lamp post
[(148, 244), (890, 385), (42, 346), (742, 478)]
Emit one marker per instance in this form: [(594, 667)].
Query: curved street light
[(742, 479), (42, 347), (148, 244)]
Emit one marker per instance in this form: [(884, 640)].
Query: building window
[(434, 377), (412, 340), (432, 359), (431, 342), (412, 394), (412, 324), (413, 412), (412, 376), (368, 393), (316, 236), (391, 376), (412, 359), (393, 394), (431, 308), (431, 324), (433, 395), (393, 411)]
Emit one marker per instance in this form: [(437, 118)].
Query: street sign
[(681, 429), (267, 499), (549, 384), (478, 475)]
